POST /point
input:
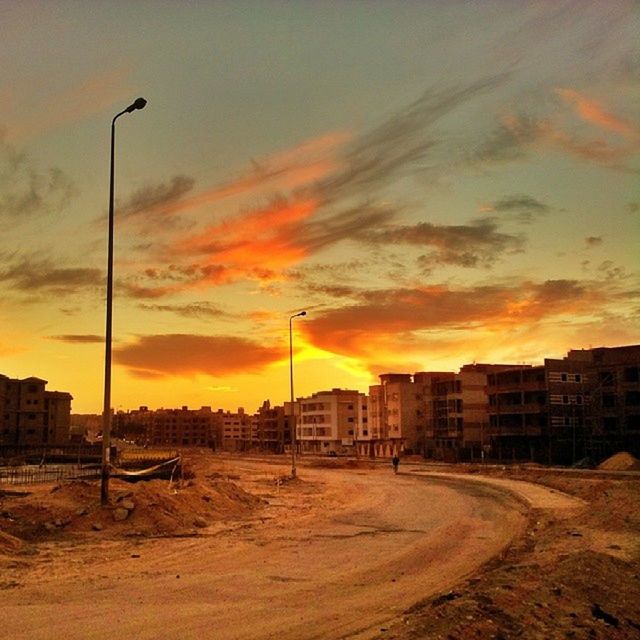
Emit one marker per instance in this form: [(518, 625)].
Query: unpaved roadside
[(338, 554)]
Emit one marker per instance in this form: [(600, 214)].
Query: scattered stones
[(446, 597), (127, 504), (82, 511), (50, 526), (96, 526), (200, 522), (120, 514)]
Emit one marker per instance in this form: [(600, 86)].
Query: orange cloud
[(256, 244), (157, 356), (539, 132), (73, 104), (385, 323), (293, 168), (592, 112)]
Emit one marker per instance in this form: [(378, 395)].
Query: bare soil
[(567, 577), (339, 552)]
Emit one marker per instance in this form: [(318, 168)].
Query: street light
[(293, 413), (139, 103)]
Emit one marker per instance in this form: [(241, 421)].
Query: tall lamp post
[(293, 413), (139, 103)]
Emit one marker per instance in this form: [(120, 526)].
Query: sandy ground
[(338, 553)]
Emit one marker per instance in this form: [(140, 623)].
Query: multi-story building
[(31, 415), (399, 412), (238, 430), (182, 427), (612, 390), (272, 428), (458, 412), (538, 413), (331, 421)]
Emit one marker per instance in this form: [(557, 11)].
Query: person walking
[(396, 462)]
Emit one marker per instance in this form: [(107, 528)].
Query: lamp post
[(139, 103), (293, 413)]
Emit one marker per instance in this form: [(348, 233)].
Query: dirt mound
[(148, 508), (621, 461)]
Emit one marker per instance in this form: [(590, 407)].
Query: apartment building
[(182, 427), (238, 430), (332, 421), (273, 432), (457, 410), (399, 412), (538, 413), (612, 393), (31, 415)]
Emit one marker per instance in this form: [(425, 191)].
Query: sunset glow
[(435, 183)]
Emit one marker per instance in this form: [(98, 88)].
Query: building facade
[(182, 427), (31, 415), (332, 421), (612, 388), (272, 428)]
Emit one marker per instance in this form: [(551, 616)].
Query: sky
[(435, 183)]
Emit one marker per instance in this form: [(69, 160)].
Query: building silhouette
[(31, 415)]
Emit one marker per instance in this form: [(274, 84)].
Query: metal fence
[(31, 474)]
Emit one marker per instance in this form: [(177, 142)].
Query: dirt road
[(339, 554)]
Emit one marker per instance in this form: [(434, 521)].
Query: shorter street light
[(293, 413)]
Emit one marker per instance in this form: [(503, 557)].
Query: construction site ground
[(238, 549)]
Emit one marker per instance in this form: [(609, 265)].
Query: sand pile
[(621, 461), (149, 508)]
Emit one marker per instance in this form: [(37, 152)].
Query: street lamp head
[(302, 313), (140, 103)]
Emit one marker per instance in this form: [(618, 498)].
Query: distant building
[(457, 412), (539, 413), (398, 408), (30, 415), (182, 427), (613, 382), (272, 428), (331, 421), (238, 430)]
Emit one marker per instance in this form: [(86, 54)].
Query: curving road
[(339, 563)]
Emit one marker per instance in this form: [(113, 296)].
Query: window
[(631, 374), (565, 399), (563, 377), (578, 377), (607, 378)]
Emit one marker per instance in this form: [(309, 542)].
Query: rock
[(127, 504), (599, 613), (82, 511), (97, 526), (120, 514), (200, 522), (58, 523), (50, 527)]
